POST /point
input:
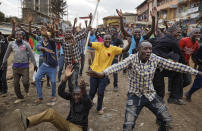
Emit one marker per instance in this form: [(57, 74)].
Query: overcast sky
[(79, 8)]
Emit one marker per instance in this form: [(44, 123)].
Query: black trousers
[(157, 106), (3, 81), (82, 63), (115, 75), (175, 83), (125, 55)]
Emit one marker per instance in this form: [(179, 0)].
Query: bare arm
[(75, 21), (61, 88), (89, 44), (8, 51), (91, 17), (153, 12), (13, 27), (30, 24), (125, 33), (125, 49), (86, 23)]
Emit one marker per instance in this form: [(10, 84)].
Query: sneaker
[(4, 94), (53, 99), (33, 83), (20, 119), (48, 86), (51, 103), (188, 97), (100, 112), (18, 101), (38, 100), (158, 122), (176, 101), (27, 95), (115, 89)]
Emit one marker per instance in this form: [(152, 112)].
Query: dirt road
[(185, 118)]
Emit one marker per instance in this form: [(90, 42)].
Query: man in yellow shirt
[(104, 55)]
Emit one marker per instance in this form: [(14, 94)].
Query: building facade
[(143, 11), (39, 9), (130, 18), (171, 10), (111, 21)]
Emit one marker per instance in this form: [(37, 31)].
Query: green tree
[(58, 7), (2, 16)]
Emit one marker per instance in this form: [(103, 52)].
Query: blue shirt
[(81, 45), (61, 51), (49, 59), (92, 39)]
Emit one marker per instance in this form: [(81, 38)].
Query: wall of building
[(111, 21), (150, 4), (142, 9), (171, 10), (129, 19)]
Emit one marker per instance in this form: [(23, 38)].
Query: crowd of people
[(147, 57)]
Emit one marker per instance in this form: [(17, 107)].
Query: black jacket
[(3, 48), (168, 47), (78, 111)]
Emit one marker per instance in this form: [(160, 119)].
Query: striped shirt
[(141, 74)]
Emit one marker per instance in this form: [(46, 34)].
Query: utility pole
[(97, 19), (67, 11)]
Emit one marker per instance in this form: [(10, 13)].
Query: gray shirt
[(21, 53)]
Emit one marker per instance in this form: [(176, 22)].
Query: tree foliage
[(2, 16), (58, 7)]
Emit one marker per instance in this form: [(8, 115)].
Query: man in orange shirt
[(189, 45)]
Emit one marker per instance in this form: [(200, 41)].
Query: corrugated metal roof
[(5, 30)]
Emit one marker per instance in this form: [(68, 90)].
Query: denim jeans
[(61, 65), (82, 63), (98, 84), (115, 75), (43, 70), (134, 106), (36, 56), (73, 80), (3, 81), (196, 85)]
